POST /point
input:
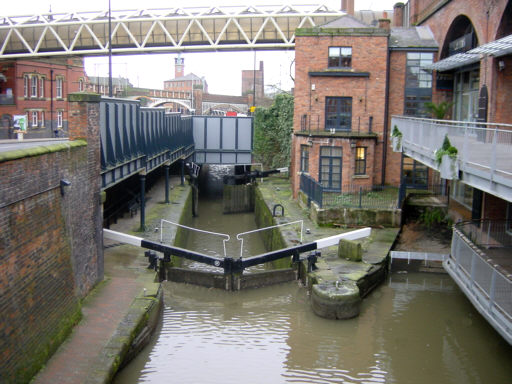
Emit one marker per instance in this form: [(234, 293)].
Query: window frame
[(339, 60), (26, 85), (33, 87), (41, 87), (60, 118), (330, 185), (418, 83), (59, 87), (34, 118), (304, 158), (360, 163), (41, 119), (343, 113)]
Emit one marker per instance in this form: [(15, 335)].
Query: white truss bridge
[(198, 29)]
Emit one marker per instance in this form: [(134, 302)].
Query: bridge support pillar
[(166, 169), (142, 178)]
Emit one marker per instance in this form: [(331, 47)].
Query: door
[(330, 168)]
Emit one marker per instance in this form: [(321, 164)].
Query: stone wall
[(50, 246)]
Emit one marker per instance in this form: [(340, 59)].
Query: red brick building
[(38, 89), (349, 78), (253, 82)]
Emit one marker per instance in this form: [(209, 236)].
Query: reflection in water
[(415, 328)]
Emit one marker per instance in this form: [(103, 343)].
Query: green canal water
[(414, 328)]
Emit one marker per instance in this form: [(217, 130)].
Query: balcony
[(484, 155), (481, 265)]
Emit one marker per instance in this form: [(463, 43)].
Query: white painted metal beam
[(159, 30)]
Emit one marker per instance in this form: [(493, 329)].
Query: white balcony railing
[(484, 149), (486, 284)]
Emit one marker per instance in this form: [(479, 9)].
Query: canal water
[(414, 328)]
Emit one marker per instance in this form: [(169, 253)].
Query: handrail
[(227, 237), (239, 238), (479, 125)]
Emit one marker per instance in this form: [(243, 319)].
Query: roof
[(412, 37), (190, 76), (212, 98), (345, 21)]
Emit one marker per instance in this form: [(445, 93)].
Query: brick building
[(349, 78), (472, 70), (253, 82), (190, 86), (38, 89)]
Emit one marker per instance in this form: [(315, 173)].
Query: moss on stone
[(40, 150), (84, 97), (350, 250)]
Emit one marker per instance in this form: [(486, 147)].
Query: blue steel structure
[(137, 140)]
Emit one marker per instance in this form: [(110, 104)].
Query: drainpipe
[(386, 119), (51, 101)]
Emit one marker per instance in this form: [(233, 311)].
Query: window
[(41, 87), (304, 158), (33, 86), (25, 86), (414, 173), (80, 85), (360, 161), (338, 113), (34, 118), (330, 168), (340, 57), (418, 83), (58, 81), (42, 119), (462, 193), (59, 119)]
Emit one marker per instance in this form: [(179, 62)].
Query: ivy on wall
[(273, 128)]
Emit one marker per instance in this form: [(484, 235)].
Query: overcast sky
[(223, 71)]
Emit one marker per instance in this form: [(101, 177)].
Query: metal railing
[(488, 233), (369, 197), (225, 236), (483, 149), (487, 285), (315, 124), (352, 196), (311, 188), (240, 238)]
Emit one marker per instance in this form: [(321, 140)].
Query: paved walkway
[(126, 275)]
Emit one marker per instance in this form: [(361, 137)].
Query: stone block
[(350, 250)]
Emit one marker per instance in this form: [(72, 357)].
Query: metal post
[(142, 178), (166, 168), (182, 171), (360, 196)]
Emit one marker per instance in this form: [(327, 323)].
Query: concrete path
[(102, 311), (126, 275)]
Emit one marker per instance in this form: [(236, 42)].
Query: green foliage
[(434, 217), (396, 132), (446, 149), (273, 129), (438, 111)]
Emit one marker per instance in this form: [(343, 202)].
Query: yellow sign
[(253, 108)]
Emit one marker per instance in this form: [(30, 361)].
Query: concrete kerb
[(333, 270)]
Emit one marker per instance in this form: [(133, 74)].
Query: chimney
[(348, 6), (179, 67), (398, 15), (385, 24)]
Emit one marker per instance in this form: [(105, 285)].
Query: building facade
[(38, 90), (349, 78)]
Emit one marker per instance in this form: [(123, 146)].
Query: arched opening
[(505, 27), (461, 37)]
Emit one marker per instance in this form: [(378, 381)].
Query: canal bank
[(119, 316)]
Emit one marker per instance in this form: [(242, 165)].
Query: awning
[(497, 48), (500, 47), (455, 61)]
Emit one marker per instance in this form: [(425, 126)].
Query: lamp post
[(109, 50)]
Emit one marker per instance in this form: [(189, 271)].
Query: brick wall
[(369, 54), (50, 244)]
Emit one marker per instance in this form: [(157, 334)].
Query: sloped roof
[(345, 21), (190, 76), (408, 37)]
